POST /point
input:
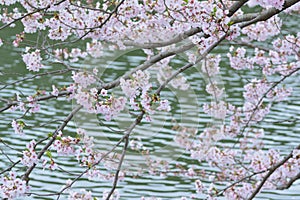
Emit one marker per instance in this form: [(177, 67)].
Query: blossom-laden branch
[(50, 142), (125, 139), (290, 182), (31, 13), (263, 16), (266, 14), (270, 172), (258, 104)]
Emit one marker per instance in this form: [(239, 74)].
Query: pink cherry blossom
[(18, 126), (81, 195), (84, 79), (33, 60), (29, 155), (12, 187), (54, 91)]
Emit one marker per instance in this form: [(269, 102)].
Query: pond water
[(157, 136)]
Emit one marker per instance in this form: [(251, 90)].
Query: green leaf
[(48, 153), (215, 10), (230, 23)]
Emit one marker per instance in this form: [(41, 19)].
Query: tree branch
[(290, 183), (266, 14), (28, 14), (14, 103), (126, 138), (180, 37), (62, 71), (60, 128), (188, 65), (271, 171), (262, 98), (237, 5), (149, 63)]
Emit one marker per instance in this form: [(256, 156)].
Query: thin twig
[(10, 167), (126, 138)]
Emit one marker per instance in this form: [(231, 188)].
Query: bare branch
[(243, 18), (10, 167), (35, 76), (126, 138)]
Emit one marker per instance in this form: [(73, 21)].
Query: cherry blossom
[(29, 155), (263, 30), (115, 196), (12, 187), (55, 91), (65, 145), (238, 60), (216, 109), (210, 66), (81, 195), (255, 90), (84, 79), (33, 60), (199, 186), (164, 105), (33, 105), (18, 126)]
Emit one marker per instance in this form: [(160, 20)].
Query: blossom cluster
[(165, 71), (86, 156), (65, 145), (238, 59), (84, 79), (29, 155), (81, 195), (33, 60), (12, 187), (261, 31), (32, 102), (282, 58), (138, 90), (18, 126)]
